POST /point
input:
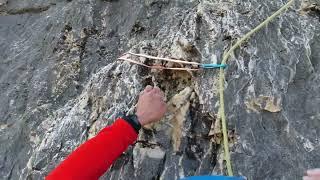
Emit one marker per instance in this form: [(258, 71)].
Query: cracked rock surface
[(60, 83)]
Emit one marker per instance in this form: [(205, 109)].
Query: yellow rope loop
[(222, 77)]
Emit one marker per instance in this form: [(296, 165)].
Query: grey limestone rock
[(61, 82)]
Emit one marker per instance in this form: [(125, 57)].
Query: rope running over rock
[(222, 78)]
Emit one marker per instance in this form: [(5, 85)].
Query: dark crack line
[(148, 144), (11, 171)]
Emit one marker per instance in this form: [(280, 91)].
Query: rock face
[(60, 83)]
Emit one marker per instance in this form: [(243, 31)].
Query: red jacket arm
[(91, 159)]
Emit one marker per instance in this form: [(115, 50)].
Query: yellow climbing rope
[(221, 83)]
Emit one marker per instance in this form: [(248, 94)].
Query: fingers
[(313, 172), (148, 88), (159, 97), (163, 106), (310, 178), (157, 90)]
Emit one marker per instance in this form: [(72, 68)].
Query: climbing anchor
[(195, 66)]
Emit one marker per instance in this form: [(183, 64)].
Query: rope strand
[(222, 78)]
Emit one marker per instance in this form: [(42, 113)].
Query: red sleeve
[(94, 157)]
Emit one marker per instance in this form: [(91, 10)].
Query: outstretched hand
[(313, 174), (151, 106)]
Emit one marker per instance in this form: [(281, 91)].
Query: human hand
[(312, 174), (151, 106)]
